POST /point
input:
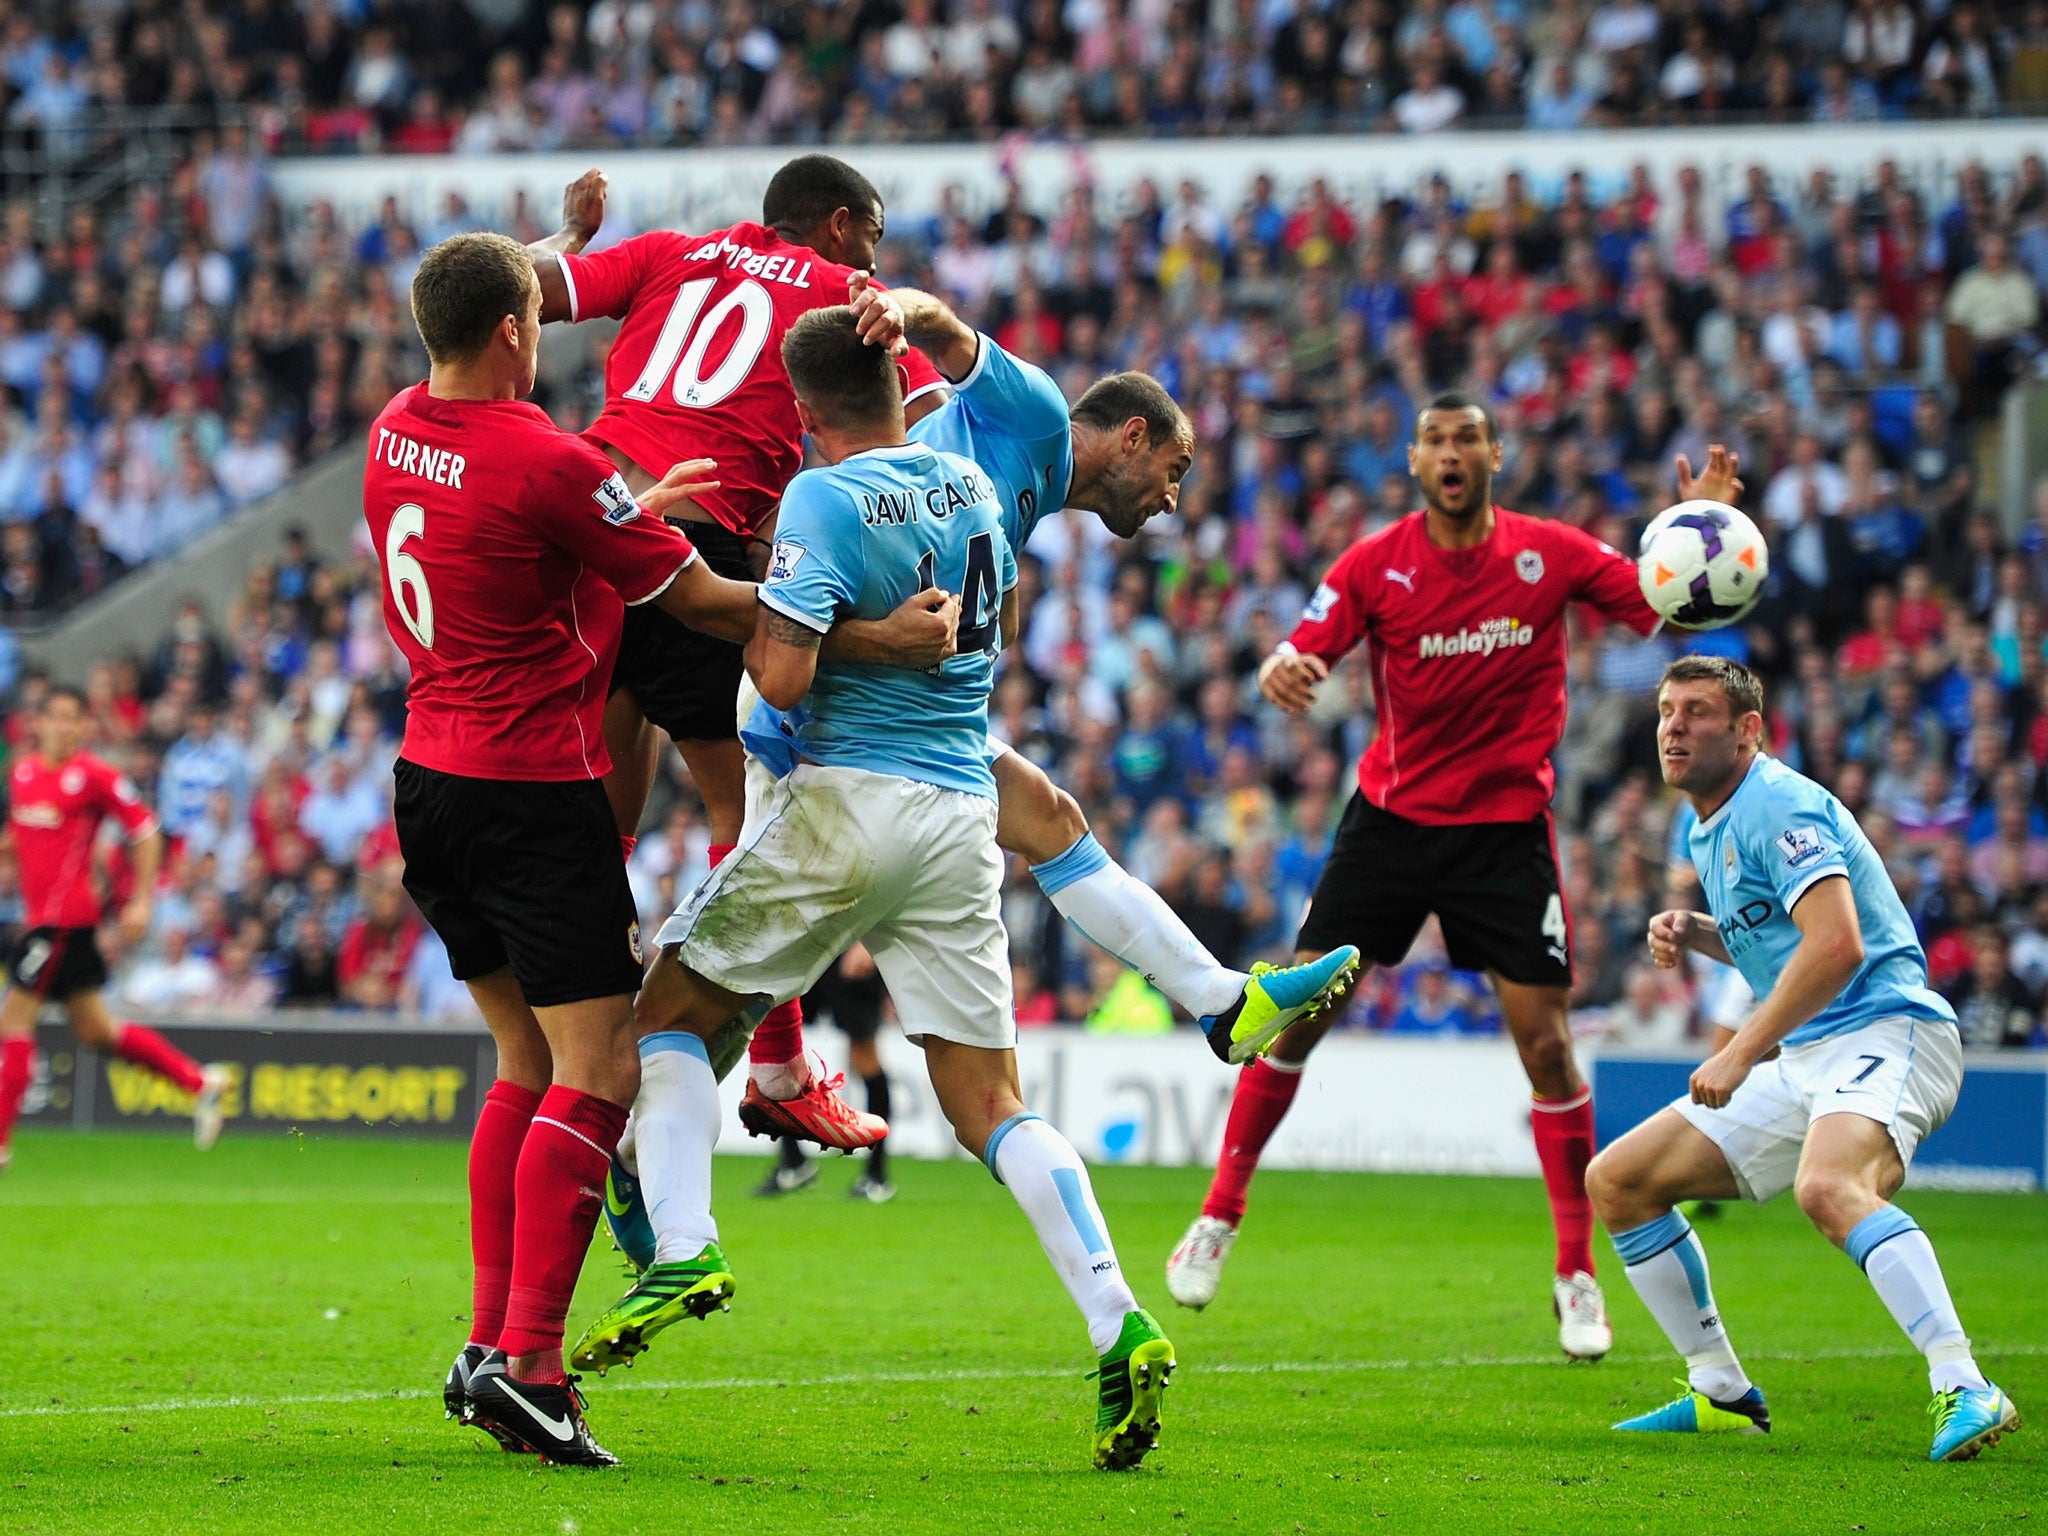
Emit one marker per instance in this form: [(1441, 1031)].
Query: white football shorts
[(1902, 1072), (833, 856)]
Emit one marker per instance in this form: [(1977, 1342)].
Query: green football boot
[(1274, 997), (1130, 1383), (664, 1294)]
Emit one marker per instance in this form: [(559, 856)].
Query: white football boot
[(1196, 1266), (209, 1114), (1581, 1316)]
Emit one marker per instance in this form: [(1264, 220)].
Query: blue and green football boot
[(625, 1213), (664, 1294), (1274, 997), (1695, 1413), (1130, 1385), (1968, 1420)]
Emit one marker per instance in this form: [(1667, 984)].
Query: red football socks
[(493, 1168), (1256, 1110), (779, 1039), (628, 841), (146, 1048), (17, 1067), (559, 1188), (1564, 1145)]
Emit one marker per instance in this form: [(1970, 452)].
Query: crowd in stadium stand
[(165, 363), (351, 76), (1847, 338)]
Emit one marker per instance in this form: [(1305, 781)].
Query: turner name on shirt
[(413, 458)]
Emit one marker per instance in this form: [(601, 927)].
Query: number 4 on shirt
[(981, 605)]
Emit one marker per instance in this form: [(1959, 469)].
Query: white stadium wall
[(706, 188)]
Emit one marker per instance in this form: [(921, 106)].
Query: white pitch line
[(627, 1383)]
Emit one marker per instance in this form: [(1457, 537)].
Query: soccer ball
[(1702, 564)]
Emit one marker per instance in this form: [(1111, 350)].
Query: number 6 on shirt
[(403, 571)]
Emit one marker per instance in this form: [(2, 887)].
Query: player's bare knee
[(92, 1029), (1602, 1183), (1832, 1202), (1046, 824)]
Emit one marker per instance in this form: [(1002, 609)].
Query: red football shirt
[(507, 545), (54, 815), (696, 371), (1468, 658)]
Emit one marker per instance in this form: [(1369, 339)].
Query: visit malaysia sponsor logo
[(1489, 638)]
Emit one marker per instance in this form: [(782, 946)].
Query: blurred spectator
[(1993, 1006)]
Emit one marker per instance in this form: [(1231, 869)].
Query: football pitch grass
[(254, 1340)]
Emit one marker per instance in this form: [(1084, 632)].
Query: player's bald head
[(843, 381)]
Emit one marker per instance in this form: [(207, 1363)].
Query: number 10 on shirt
[(684, 337)]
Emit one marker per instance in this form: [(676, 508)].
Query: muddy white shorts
[(1902, 1072), (833, 856)]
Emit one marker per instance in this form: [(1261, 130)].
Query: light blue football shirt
[(1011, 419), (1761, 851), (854, 541)]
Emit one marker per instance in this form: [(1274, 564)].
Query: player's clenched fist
[(583, 204), (925, 628), (1671, 937), (1289, 679), (1715, 1080)]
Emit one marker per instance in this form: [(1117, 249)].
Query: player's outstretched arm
[(782, 658), (928, 325), (582, 217), (1829, 951), (707, 601), (922, 632)]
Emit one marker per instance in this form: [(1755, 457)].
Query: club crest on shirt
[(1529, 566), (72, 781), (1801, 846), (616, 502), (783, 562), (1320, 604), (1728, 857)]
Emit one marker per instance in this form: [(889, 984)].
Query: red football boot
[(817, 1114)]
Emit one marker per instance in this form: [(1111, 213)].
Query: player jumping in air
[(697, 369), (1463, 604), (883, 832), (1848, 1063), (1121, 454), (509, 549), (57, 799)]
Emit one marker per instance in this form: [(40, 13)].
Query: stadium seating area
[(172, 355), (1848, 338), (623, 72)]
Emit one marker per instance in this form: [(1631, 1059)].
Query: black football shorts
[(1493, 886), (685, 681), (525, 874), (56, 963)]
